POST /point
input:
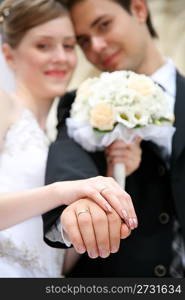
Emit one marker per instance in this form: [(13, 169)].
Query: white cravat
[(166, 77)]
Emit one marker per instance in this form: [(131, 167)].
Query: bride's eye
[(69, 47)]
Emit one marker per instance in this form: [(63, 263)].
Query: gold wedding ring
[(82, 212)]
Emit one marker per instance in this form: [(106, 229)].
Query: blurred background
[(168, 17)]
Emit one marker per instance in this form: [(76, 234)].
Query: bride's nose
[(59, 55)]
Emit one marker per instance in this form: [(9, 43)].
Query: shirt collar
[(166, 76)]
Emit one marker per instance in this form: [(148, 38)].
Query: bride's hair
[(18, 16)]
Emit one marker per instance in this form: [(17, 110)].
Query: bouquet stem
[(119, 174)]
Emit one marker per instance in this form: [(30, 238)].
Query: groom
[(118, 35)]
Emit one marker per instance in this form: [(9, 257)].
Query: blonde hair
[(18, 16)]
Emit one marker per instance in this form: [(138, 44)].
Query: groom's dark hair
[(126, 5)]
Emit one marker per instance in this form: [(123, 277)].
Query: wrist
[(66, 192), (58, 193)]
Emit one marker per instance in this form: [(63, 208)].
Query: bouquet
[(120, 105)]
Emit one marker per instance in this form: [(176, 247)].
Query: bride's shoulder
[(6, 100), (7, 112)]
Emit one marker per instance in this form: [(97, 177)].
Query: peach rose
[(143, 85), (102, 116)]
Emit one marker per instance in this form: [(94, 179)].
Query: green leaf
[(98, 131)]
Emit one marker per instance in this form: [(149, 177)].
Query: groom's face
[(111, 38)]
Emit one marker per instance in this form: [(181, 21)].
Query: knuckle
[(75, 241), (110, 180), (84, 220), (114, 218), (100, 219), (127, 196), (90, 246), (115, 240), (99, 177), (68, 225), (104, 245), (90, 243), (92, 193)]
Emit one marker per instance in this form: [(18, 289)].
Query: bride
[(39, 46)]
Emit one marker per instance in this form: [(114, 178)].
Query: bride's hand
[(90, 229), (105, 191)]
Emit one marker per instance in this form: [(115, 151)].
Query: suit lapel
[(178, 143)]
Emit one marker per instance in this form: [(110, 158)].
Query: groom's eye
[(104, 25), (42, 46)]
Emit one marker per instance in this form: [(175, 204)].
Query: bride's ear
[(8, 55)]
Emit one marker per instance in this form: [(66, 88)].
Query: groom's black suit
[(158, 195)]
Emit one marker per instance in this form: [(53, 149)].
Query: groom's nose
[(98, 44)]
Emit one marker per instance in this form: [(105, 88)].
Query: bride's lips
[(56, 73), (109, 59)]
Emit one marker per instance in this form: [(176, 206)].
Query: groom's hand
[(90, 228), (128, 154)]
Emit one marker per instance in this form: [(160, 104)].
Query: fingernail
[(124, 214), (103, 253), (131, 223), (93, 254), (81, 250), (114, 249), (108, 207), (135, 222)]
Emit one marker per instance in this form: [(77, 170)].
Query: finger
[(125, 231), (126, 161), (119, 143), (133, 221), (121, 207), (115, 197), (132, 153), (117, 152), (118, 159), (87, 231), (70, 225), (101, 229), (94, 193), (116, 144), (122, 203), (138, 140), (114, 222)]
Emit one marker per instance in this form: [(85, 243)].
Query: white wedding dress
[(23, 252)]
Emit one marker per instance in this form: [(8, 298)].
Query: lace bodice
[(22, 166), (23, 155)]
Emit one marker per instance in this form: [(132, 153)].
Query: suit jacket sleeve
[(67, 161)]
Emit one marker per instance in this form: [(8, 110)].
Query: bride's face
[(45, 58)]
